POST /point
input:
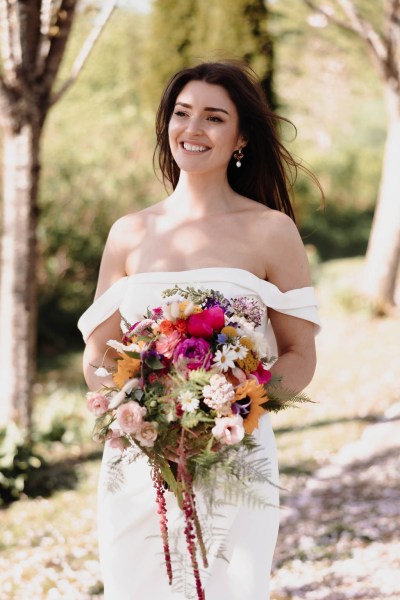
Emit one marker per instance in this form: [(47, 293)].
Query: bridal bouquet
[(191, 383)]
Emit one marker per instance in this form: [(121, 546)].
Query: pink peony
[(262, 374), (204, 324), (130, 416), (194, 353), (147, 434), (228, 430), (97, 403), (166, 343)]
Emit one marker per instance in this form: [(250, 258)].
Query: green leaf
[(154, 363), (132, 354)]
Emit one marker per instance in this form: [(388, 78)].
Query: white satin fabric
[(130, 546)]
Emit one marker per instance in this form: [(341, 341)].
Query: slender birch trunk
[(383, 254), (33, 39), (18, 280)]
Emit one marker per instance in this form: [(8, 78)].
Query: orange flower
[(127, 368), (257, 396), (166, 327)]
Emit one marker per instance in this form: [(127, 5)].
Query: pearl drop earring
[(238, 155)]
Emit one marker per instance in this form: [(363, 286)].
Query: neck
[(197, 196)]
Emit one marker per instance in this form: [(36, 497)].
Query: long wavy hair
[(268, 169)]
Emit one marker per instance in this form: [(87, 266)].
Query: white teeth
[(194, 148)]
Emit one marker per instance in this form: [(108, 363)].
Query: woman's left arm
[(288, 269)]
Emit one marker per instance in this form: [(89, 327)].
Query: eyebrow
[(207, 108)]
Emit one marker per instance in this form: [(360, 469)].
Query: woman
[(227, 225)]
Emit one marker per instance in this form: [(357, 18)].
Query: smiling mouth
[(193, 148)]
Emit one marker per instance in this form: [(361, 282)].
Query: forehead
[(202, 94)]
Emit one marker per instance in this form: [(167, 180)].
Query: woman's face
[(204, 128)]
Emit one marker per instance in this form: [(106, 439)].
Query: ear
[(241, 142)]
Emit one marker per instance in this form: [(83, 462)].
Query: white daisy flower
[(225, 359), (241, 351), (189, 402)]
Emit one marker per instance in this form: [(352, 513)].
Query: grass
[(48, 546)]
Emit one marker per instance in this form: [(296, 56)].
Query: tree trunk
[(18, 280), (383, 253)]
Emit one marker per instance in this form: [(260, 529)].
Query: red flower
[(205, 323), (181, 325)]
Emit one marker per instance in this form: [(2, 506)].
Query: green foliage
[(337, 232), (24, 470), (96, 156), (231, 476), (328, 87), (188, 31)]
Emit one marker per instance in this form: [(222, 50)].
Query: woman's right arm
[(112, 268)]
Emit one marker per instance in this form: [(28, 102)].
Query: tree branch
[(10, 40), (58, 36), (377, 46), (328, 15), (48, 17), (366, 31), (86, 50), (29, 31)]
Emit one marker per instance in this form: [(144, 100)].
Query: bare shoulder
[(132, 223), (283, 250)]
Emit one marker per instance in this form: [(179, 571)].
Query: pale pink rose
[(228, 430), (147, 434), (130, 416), (166, 343), (115, 439), (97, 403)]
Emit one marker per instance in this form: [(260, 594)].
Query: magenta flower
[(194, 353), (262, 374), (203, 325)]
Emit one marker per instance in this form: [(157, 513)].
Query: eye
[(214, 119), (180, 113)]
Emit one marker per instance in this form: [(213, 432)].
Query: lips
[(194, 147)]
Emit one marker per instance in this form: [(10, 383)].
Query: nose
[(194, 125)]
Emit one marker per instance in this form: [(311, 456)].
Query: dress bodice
[(134, 294)]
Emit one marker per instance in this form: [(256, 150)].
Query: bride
[(227, 225)]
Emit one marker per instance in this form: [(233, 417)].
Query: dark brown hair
[(268, 170)]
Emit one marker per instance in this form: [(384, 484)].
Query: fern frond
[(115, 476), (280, 398)]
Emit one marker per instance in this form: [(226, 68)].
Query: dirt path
[(340, 530)]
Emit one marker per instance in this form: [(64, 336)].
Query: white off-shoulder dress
[(131, 555)]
